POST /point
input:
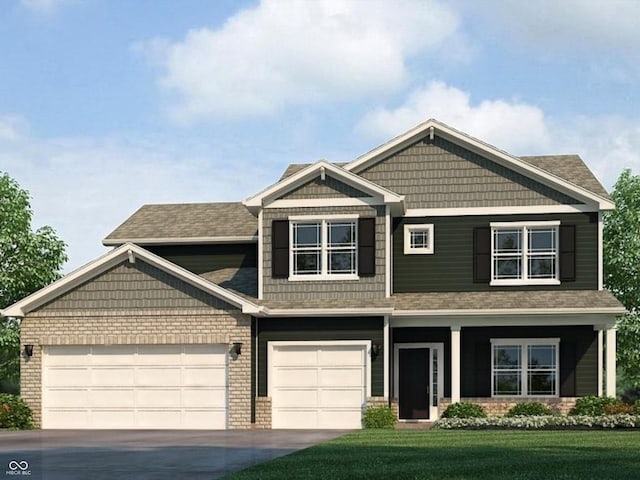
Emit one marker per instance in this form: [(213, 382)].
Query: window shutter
[(367, 247), (280, 248), (567, 253), (481, 255), (567, 369)]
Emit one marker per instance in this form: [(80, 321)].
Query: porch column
[(385, 353), (600, 359), (455, 364), (611, 361)]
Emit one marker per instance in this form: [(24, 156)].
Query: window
[(524, 367), (323, 248), (525, 253), (418, 239)]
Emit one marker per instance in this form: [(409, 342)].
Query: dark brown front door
[(413, 383)]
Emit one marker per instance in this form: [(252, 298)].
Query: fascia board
[(114, 242), (503, 320), (325, 312), (310, 172), (510, 311), (110, 259), (483, 149)]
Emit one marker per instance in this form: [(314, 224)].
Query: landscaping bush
[(464, 410), (592, 406), (14, 413), (528, 409), (619, 408), (379, 417), (546, 422)]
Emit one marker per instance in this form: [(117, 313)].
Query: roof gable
[(128, 252), (432, 128), (330, 187)]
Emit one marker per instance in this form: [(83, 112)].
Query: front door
[(413, 383)]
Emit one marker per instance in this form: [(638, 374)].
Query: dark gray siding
[(427, 335), (306, 329), (578, 346), (207, 258), (450, 267)]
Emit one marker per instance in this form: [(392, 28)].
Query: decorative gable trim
[(432, 127), (271, 194), (129, 252)]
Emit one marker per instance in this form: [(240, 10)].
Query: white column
[(611, 362), (455, 364), (600, 360), (385, 353)]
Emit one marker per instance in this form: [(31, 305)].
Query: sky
[(106, 105)]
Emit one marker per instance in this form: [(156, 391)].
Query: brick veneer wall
[(263, 413), (205, 325), (500, 406)]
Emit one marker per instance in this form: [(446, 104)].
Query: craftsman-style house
[(432, 269)]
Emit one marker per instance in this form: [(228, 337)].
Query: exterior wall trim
[(517, 210), (502, 321), (115, 242), (325, 202)]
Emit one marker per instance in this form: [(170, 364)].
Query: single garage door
[(318, 384), (128, 386)]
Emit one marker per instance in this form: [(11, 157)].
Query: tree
[(28, 261), (622, 270)]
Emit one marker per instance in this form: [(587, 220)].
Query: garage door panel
[(296, 377), (149, 386), (346, 376), (201, 376), (340, 356), (101, 398), (296, 356), (116, 377), (157, 377), (297, 418), (296, 397), (67, 355), (68, 377), (203, 397), (67, 397), (340, 418), (340, 397)]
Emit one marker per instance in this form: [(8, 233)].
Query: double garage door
[(318, 384), (128, 386)]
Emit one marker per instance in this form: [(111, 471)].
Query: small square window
[(418, 239)]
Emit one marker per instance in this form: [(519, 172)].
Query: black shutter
[(567, 253), (280, 248), (367, 247), (481, 255), (567, 369)]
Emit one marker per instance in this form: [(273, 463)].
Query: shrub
[(14, 413), (528, 409), (592, 406), (379, 417), (546, 422), (464, 410), (619, 408)]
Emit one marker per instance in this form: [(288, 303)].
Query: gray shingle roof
[(571, 168), (243, 281), (186, 220), (499, 300)]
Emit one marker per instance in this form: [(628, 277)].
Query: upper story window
[(524, 367), (418, 239), (524, 253), (324, 248)]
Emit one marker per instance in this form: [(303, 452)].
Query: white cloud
[(12, 127), (45, 6), (84, 188), (506, 124), (278, 54), (608, 144)]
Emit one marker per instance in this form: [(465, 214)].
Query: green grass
[(436, 454)]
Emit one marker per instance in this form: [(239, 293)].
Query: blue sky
[(109, 104)]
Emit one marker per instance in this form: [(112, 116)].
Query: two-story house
[(432, 269)]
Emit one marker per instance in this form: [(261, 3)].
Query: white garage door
[(126, 386), (318, 384)]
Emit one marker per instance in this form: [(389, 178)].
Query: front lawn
[(437, 454)]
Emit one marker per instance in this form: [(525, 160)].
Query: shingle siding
[(444, 175), (450, 267), (328, 188), (365, 287)]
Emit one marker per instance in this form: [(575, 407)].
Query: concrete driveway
[(145, 454)]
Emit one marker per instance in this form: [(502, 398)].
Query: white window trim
[(413, 227), (524, 226), (324, 249), (524, 343)]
